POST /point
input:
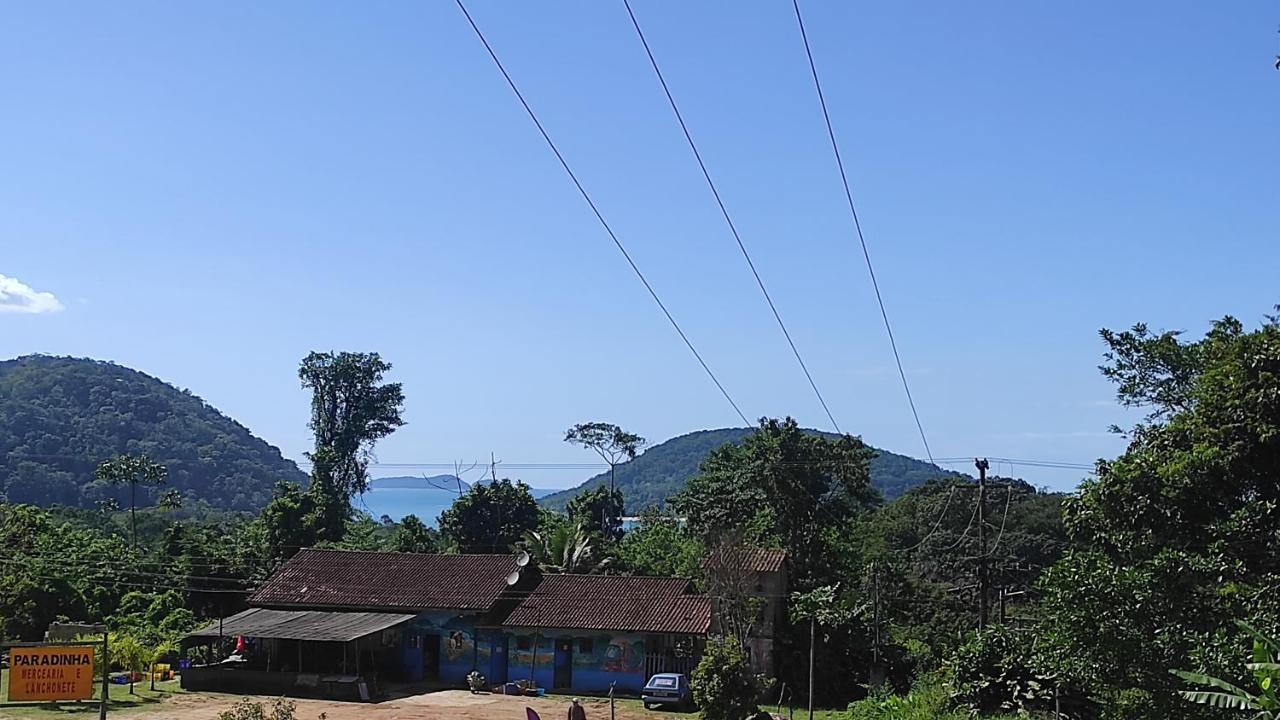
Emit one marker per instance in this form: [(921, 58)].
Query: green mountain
[(60, 416), (662, 470)]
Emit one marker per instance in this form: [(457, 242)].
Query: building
[(752, 572), (338, 622), (591, 631)]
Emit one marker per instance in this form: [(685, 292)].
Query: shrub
[(993, 672), (723, 685), (281, 709)]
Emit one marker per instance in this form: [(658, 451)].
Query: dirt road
[(450, 704)]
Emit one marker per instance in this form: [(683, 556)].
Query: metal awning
[(302, 625)]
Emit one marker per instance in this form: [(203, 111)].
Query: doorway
[(431, 657), (498, 659), (564, 664)]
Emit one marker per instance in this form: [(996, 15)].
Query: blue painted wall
[(611, 658)]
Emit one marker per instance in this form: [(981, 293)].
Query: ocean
[(425, 502)]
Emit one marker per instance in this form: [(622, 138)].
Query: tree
[(609, 441), (565, 549), (1265, 666), (288, 522), (412, 536), (1178, 533), (659, 546), (783, 487), (351, 409), (170, 500), (822, 606), (132, 470), (490, 517), (722, 684), (598, 511), (128, 654)]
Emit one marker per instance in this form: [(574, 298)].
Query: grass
[(142, 701), (637, 708)]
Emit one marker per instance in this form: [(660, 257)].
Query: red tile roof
[(612, 602), (755, 559), (333, 579)]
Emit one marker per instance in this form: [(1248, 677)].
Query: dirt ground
[(451, 704)]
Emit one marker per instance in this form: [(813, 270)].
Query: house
[(758, 573), (332, 622), (587, 632)]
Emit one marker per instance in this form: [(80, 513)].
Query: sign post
[(51, 673)]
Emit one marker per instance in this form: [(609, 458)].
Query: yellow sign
[(51, 673)]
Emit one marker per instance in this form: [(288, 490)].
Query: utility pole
[(813, 625), (982, 466), (875, 617)]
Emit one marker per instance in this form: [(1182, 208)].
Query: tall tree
[(1178, 533), (351, 409), (490, 517), (132, 470), (783, 487), (609, 441)]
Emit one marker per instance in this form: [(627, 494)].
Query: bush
[(281, 709), (993, 672), (723, 685)]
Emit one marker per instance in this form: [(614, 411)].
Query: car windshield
[(662, 682)]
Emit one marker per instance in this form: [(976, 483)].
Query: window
[(524, 642), (586, 646), (664, 682)]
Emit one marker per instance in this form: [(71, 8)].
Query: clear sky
[(209, 191)]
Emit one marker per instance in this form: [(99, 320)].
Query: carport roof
[(302, 625)]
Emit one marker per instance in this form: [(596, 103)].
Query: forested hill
[(60, 416), (661, 470)]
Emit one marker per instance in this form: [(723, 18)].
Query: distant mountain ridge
[(663, 469), (61, 416)]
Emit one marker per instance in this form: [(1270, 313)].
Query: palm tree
[(165, 648), (132, 470), (565, 549), (1266, 672)]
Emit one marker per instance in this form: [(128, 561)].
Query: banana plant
[(1264, 704)]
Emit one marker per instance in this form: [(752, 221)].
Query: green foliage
[(722, 684), (351, 409), (1182, 526), (994, 672), (662, 470), (60, 417), (659, 545), (132, 471), (598, 511), (1265, 667), (280, 709), (927, 701), (412, 536), (490, 517), (783, 487), (565, 549)]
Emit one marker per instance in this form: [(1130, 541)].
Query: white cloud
[(18, 297)]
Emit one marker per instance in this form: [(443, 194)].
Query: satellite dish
[(514, 577), (522, 558)]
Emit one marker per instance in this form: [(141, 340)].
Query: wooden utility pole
[(983, 580), (106, 678), (875, 617), (813, 627)]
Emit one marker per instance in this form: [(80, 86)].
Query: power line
[(857, 224), (600, 217), (724, 211)]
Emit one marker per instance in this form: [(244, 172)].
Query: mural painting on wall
[(609, 653), (456, 633)]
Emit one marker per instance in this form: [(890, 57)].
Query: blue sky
[(211, 191)]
